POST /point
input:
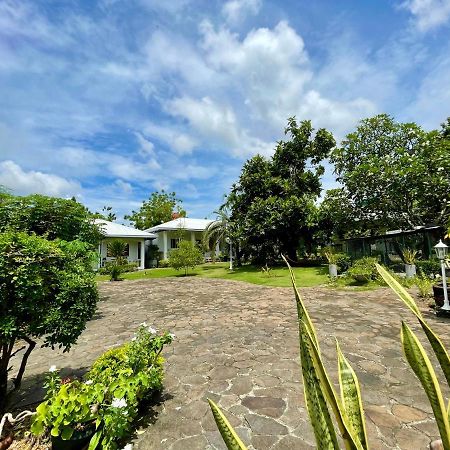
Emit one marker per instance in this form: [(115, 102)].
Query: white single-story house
[(134, 238), (168, 233)]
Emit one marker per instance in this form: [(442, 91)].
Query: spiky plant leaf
[(421, 365), (351, 398), (437, 345), (351, 439), (316, 404), (229, 436)]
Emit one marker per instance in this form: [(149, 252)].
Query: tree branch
[(18, 380)]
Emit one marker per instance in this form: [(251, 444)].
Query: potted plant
[(70, 411), (332, 259), (409, 256)]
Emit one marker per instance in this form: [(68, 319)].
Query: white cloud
[(125, 187), (146, 148), (217, 123), (22, 182), (180, 142), (236, 10), (428, 14)]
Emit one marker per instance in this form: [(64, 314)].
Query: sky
[(110, 100)]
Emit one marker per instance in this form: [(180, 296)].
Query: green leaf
[(351, 439), (95, 440), (316, 404), (37, 427), (351, 398), (421, 365), (55, 431), (437, 345), (229, 436), (66, 433)]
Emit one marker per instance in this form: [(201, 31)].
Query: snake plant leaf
[(302, 312), (229, 436), (351, 398), (399, 290), (437, 345), (351, 439), (316, 404), (421, 365)]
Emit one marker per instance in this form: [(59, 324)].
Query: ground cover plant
[(324, 403), (104, 405)]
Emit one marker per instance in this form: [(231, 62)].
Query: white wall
[(133, 252)]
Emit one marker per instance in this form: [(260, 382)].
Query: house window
[(139, 250), (174, 243), (126, 251)]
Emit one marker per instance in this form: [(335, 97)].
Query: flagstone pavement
[(237, 344)]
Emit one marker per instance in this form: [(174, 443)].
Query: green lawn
[(279, 276)]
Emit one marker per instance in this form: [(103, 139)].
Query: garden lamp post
[(228, 241), (441, 252)]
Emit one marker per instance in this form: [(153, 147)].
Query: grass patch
[(279, 276)]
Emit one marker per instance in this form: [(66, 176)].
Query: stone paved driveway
[(237, 343)]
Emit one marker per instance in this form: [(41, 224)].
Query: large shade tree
[(156, 210), (394, 175), (272, 204)]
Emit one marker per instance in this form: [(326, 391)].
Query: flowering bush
[(108, 399)]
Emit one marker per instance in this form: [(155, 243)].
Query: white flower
[(172, 335), (128, 447), (152, 330), (133, 339), (119, 403), (143, 324), (88, 382), (52, 369)]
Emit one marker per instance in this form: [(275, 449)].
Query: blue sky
[(111, 100)]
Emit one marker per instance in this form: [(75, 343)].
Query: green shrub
[(163, 263), (343, 262), (425, 285), (364, 269), (110, 395), (125, 268), (429, 267), (47, 291), (186, 256)]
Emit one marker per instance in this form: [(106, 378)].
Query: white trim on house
[(168, 233), (133, 237)]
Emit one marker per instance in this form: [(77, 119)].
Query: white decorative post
[(441, 252), (142, 261), (228, 240), (164, 237)]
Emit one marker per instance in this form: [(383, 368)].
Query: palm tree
[(217, 231), (117, 249)]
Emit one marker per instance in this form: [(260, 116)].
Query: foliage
[(218, 231), (118, 381), (106, 214), (272, 204), (409, 256), (364, 269), (394, 175), (347, 409), (425, 285), (429, 267), (266, 271), (156, 210), (125, 268), (186, 255), (330, 256), (117, 249), (163, 263), (47, 291), (115, 271), (54, 218), (343, 262)]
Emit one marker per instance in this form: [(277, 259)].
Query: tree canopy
[(186, 255), (156, 210), (55, 218), (47, 291), (272, 204), (394, 175)]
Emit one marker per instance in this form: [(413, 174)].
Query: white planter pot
[(410, 270), (332, 270)]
